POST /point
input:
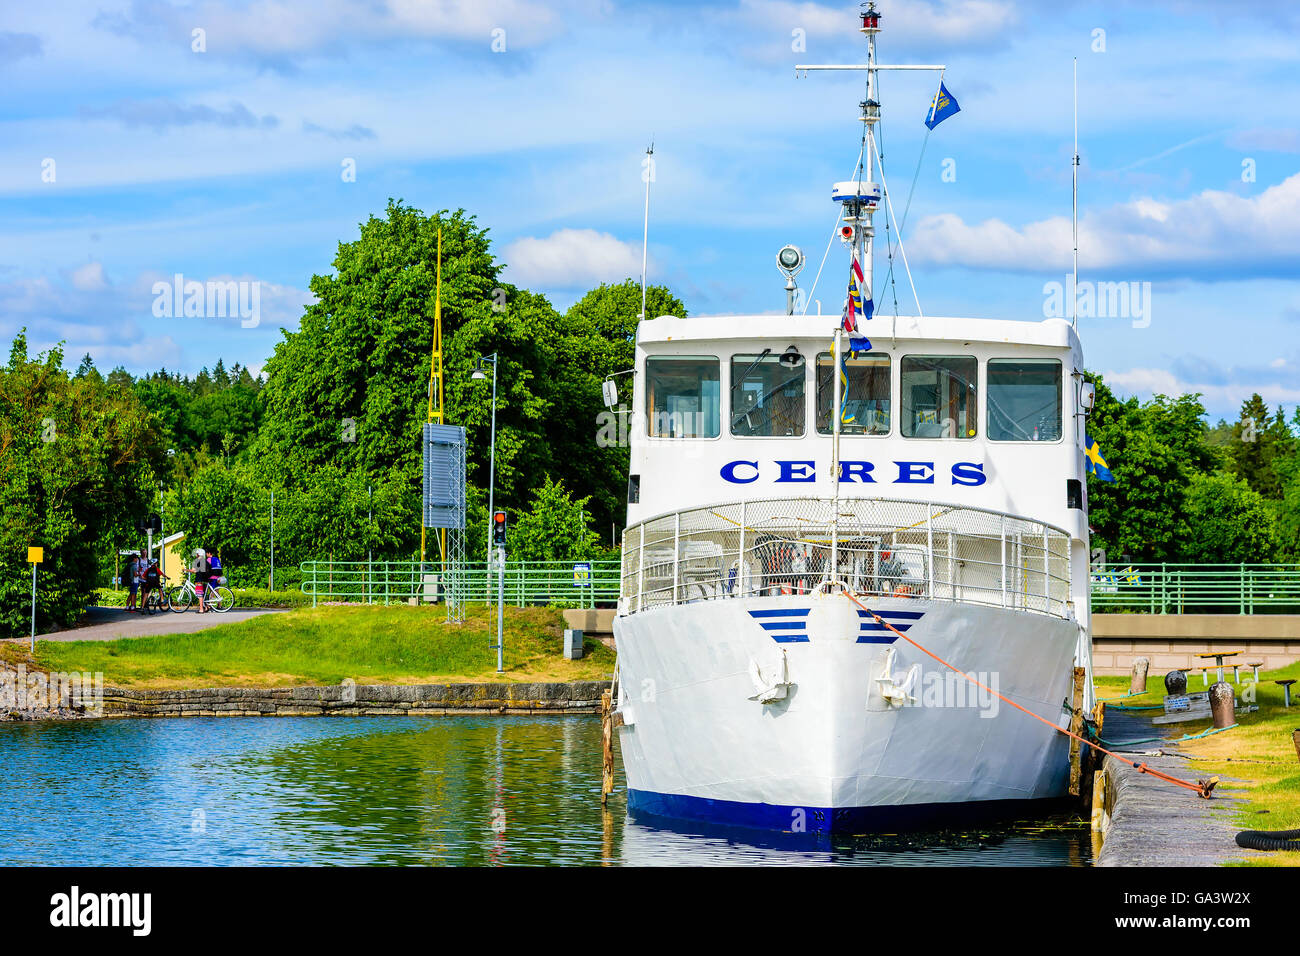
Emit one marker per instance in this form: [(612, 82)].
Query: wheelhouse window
[(865, 400), (938, 399), (682, 396), (767, 394), (1024, 399)]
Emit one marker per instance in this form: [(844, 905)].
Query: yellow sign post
[(35, 556)]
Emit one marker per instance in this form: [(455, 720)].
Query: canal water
[(400, 790)]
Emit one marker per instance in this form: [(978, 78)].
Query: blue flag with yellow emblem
[(1094, 464), (856, 344), (941, 107)]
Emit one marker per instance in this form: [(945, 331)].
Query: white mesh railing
[(881, 547)]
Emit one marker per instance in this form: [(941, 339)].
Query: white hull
[(833, 755)]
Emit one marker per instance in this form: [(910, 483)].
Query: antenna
[(1074, 214), (645, 234), (859, 198)]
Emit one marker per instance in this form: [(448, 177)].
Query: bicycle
[(157, 598), (217, 598), (156, 601)]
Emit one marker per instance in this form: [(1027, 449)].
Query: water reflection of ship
[(1051, 841)]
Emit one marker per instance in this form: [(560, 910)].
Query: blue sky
[(226, 163)]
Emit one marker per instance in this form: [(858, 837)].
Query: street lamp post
[(162, 532), (478, 376)]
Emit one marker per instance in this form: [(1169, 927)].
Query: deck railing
[(898, 548), (1138, 588)]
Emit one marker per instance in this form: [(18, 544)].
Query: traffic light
[(499, 529)]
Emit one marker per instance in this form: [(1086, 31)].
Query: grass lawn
[(1259, 753), (371, 644)]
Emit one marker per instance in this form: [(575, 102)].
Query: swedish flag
[(1094, 464)]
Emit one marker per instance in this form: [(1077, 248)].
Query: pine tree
[(1254, 446)]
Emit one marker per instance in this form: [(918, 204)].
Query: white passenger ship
[(947, 496)]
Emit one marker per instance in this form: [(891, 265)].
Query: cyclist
[(150, 582), (214, 561), (202, 572)]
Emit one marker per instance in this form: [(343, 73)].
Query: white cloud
[(1210, 235), (1220, 398), (569, 258), (83, 308), (1269, 139), (278, 31), (90, 277), (158, 114)]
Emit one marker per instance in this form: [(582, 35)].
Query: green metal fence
[(1198, 588), (1142, 588), (533, 582)]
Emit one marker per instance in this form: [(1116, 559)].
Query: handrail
[(1176, 588), (1143, 588), (889, 547), (527, 582)]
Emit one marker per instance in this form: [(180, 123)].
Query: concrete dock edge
[(1153, 823)]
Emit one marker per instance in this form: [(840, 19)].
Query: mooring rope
[(1132, 693), (1201, 788), (1136, 707)]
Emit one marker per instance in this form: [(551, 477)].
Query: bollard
[(1295, 739), (1176, 683), (1138, 683), (1222, 705)]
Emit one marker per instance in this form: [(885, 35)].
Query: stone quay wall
[(348, 698)]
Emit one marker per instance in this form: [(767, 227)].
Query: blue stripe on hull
[(824, 820)]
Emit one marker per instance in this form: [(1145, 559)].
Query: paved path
[(111, 623), (1155, 823)]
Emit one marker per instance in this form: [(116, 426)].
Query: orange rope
[(1201, 788)]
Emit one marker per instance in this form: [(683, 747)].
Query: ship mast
[(858, 199), (866, 230)]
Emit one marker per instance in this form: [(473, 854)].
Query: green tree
[(225, 509), (1287, 508), (602, 342), (350, 387), (1227, 522), (77, 463), (1153, 448), (613, 312), (556, 527), (1258, 438)]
